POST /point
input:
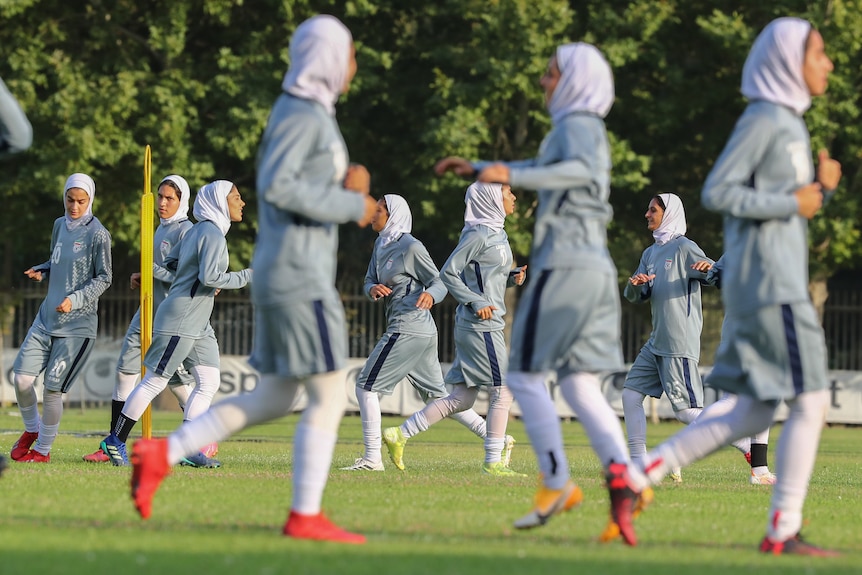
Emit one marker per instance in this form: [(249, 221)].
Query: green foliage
[(457, 77)]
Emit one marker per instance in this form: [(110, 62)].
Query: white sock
[(315, 440), (500, 400), (28, 403), (143, 395), (207, 381), (52, 412), (182, 393), (583, 393), (542, 424), (416, 424), (271, 398), (312, 456), (688, 415), (794, 462), (123, 385), (633, 409), (711, 432), (472, 421), (369, 410)]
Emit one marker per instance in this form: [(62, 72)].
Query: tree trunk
[(819, 292)]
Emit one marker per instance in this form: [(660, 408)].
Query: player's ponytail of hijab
[(586, 82), (211, 204)]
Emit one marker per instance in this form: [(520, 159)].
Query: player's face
[(508, 200), (550, 79), (77, 201), (235, 205), (654, 215), (351, 70), (168, 202), (817, 65), (380, 217)]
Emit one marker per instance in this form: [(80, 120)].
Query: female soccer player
[(402, 274), (765, 185), (300, 330), (667, 363), (173, 208), (477, 274), (181, 328), (64, 331), (568, 320)]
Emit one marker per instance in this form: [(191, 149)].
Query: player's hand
[(425, 301), (458, 166), (370, 210), (521, 276), (486, 312), (378, 291), (702, 266), (810, 200), (66, 306), (357, 179), (828, 171), (641, 279), (495, 174), (34, 275), (135, 280)]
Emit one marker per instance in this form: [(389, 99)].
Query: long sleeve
[(729, 189), (284, 169), (89, 293), (210, 273), (452, 278), (424, 270), (641, 293), (371, 275), (16, 133)]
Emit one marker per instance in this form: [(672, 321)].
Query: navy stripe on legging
[(792, 348), (70, 379), (166, 356), (532, 320), (378, 363), (492, 359), (324, 335), (686, 374)]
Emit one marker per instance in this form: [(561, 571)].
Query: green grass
[(443, 516)]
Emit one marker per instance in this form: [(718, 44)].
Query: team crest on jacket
[(389, 264), (668, 263), (77, 246)]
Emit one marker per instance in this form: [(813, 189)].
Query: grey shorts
[(481, 358), (568, 321), (300, 339), (130, 355), (402, 355), (678, 377), (168, 353), (774, 353), (62, 358)]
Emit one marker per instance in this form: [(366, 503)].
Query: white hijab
[(400, 219), (319, 56), (211, 204), (182, 212), (484, 206), (586, 82), (773, 69), (87, 184), (672, 222)]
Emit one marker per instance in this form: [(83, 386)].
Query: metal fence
[(233, 322)]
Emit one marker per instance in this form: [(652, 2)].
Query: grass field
[(443, 516)]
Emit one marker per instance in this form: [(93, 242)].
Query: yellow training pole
[(147, 207)]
